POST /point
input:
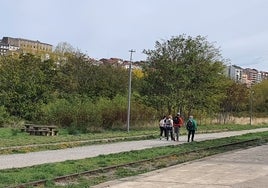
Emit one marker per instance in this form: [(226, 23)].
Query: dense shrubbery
[(6, 120), (86, 115)]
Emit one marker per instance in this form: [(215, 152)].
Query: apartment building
[(253, 75), (264, 75), (246, 76), (3, 48), (235, 73), (20, 45)]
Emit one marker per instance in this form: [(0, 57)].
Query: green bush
[(57, 112), (83, 115), (77, 113), (4, 116)]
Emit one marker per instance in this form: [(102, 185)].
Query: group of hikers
[(170, 127)]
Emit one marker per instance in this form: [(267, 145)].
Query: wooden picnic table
[(41, 130)]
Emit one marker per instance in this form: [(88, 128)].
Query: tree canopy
[(26, 83), (184, 73)]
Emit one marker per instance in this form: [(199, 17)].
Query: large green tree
[(26, 82), (184, 73)]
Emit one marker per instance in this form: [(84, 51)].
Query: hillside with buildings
[(11, 46)]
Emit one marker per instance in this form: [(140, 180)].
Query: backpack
[(190, 125), (168, 123), (176, 120)]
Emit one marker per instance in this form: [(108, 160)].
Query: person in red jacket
[(177, 124)]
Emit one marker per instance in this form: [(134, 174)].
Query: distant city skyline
[(110, 28)]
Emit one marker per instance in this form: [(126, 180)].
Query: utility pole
[(251, 104), (129, 89)]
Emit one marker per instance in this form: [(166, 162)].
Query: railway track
[(152, 164)]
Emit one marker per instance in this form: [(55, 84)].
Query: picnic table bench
[(41, 130)]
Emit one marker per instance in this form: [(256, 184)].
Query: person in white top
[(162, 126)]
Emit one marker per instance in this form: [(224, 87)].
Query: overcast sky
[(110, 28)]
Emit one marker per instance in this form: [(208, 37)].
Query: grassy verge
[(49, 171)]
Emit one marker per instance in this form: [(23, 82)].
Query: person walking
[(177, 124), (162, 127), (169, 127), (191, 127)]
